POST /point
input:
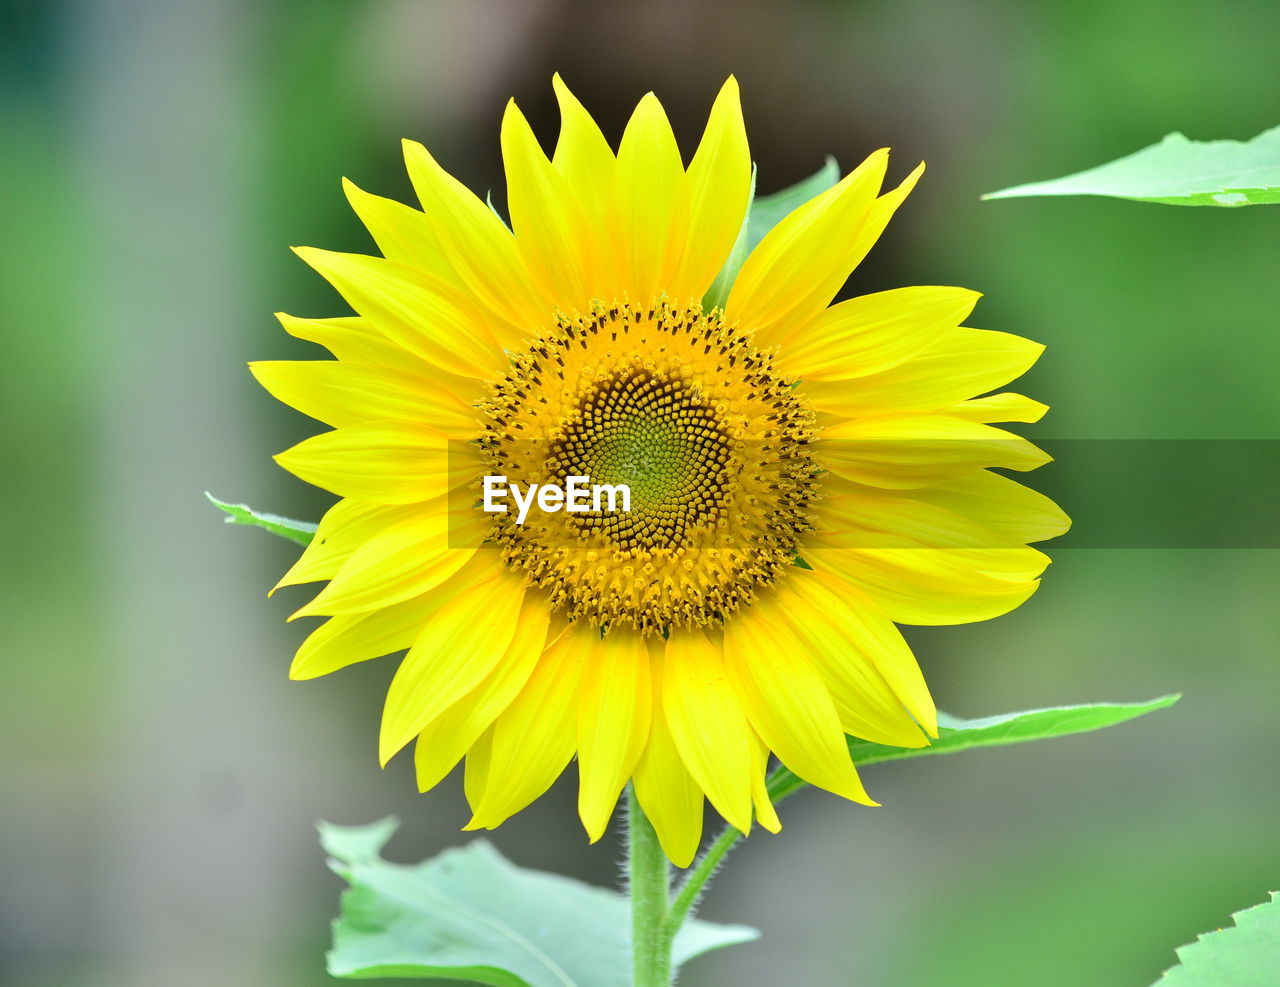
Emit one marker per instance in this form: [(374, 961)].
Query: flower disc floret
[(713, 445)]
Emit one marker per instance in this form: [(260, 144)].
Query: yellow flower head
[(801, 476)]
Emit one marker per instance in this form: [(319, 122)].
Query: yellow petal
[(346, 526), (411, 308), (922, 587), (862, 656), (650, 204), (801, 263), (475, 778), (872, 333), (1006, 407), (352, 638), (880, 213), (459, 645), (340, 393), (583, 157), (671, 799), (790, 707), (1001, 505), (851, 515), (405, 235), (719, 193), (614, 706), (708, 725), (910, 451), (766, 814), (963, 363), (355, 339), (402, 233), (449, 736), (379, 462), (877, 218), (481, 248), (410, 556), (534, 737), (548, 219)]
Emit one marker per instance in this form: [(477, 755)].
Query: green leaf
[(1246, 955), (1179, 172), (955, 734), (300, 531), (763, 215), (470, 914)]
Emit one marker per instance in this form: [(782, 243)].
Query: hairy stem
[(652, 941), (650, 879)]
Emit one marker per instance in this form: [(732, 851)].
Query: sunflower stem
[(650, 878), (656, 917)]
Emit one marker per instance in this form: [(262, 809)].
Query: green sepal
[(470, 914), (1178, 172), (300, 531)]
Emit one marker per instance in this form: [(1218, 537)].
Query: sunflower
[(804, 476)]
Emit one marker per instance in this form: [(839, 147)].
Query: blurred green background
[(160, 774)]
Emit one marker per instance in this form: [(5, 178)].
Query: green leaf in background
[(1179, 172), (1246, 955), (300, 531), (992, 731), (763, 215), (470, 914)]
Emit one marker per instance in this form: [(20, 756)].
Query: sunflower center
[(683, 410), (654, 435)]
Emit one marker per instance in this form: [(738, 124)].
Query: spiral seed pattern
[(687, 413)]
